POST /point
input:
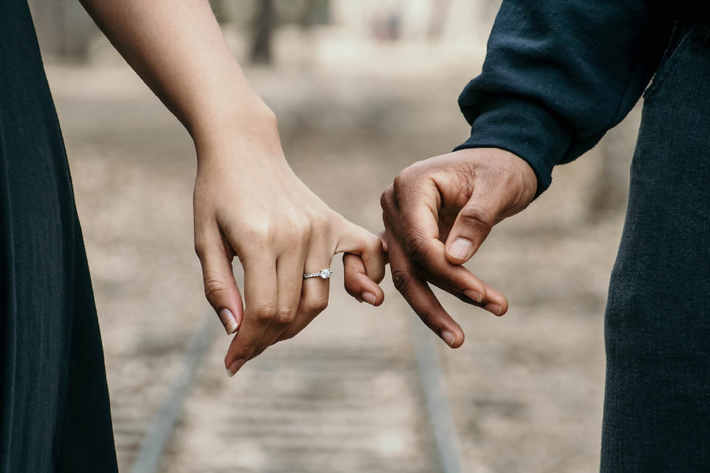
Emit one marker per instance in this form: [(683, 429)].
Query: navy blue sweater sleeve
[(558, 74)]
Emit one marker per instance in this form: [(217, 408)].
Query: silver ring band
[(323, 273)]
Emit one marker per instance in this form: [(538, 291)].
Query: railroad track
[(361, 404)]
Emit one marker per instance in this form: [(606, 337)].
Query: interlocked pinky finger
[(358, 284)]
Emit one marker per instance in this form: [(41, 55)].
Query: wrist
[(528, 178), (245, 133)]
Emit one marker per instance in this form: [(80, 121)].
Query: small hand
[(437, 214), (249, 204)]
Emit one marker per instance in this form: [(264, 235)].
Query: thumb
[(358, 284), (473, 224), (221, 289)]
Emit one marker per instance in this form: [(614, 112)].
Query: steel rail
[(431, 383), (435, 397), (148, 458)]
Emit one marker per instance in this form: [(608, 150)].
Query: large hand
[(249, 204), (436, 214)]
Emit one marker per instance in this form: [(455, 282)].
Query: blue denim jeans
[(657, 404)]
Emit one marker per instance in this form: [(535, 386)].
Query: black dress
[(54, 406)]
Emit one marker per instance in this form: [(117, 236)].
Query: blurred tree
[(270, 13), (314, 12), (306, 20), (64, 29), (437, 21), (264, 22)]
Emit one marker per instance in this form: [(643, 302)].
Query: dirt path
[(526, 389)]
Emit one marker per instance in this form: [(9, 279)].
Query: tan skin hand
[(437, 213)]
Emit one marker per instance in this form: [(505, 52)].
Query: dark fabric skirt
[(54, 405), (657, 405)]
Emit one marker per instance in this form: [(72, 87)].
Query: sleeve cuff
[(522, 127)]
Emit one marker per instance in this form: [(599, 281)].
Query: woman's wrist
[(245, 133)]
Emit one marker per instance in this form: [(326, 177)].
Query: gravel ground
[(526, 390)]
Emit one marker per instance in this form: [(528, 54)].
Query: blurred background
[(362, 90)]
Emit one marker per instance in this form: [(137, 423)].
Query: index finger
[(419, 295), (417, 210)]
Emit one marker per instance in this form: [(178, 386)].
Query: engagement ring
[(323, 273)]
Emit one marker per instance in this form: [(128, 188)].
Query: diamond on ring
[(323, 273)]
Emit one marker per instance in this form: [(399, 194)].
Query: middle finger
[(314, 296), (289, 275)]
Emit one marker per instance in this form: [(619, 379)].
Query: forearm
[(178, 49), (559, 74)]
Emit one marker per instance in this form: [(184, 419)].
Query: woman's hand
[(248, 203)]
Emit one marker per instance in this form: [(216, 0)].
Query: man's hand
[(437, 214)]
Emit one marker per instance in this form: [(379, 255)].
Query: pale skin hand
[(437, 213), (247, 201), (279, 229)]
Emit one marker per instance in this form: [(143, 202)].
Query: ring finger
[(314, 296)]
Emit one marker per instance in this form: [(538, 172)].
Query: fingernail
[(369, 297), (228, 320), (494, 309), (448, 337), (461, 248), (475, 295), (235, 366)]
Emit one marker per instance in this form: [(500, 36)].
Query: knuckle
[(256, 233), (417, 249), (200, 248), (477, 216), (399, 182), (374, 243), (314, 305), (317, 305), (509, 177), (214, 287), (372, 246), (285, 316), (404, 179), (402, 281), (295, 230), (420, 273), (317, 221), (387, 198), (264, 313), (300, 226)]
